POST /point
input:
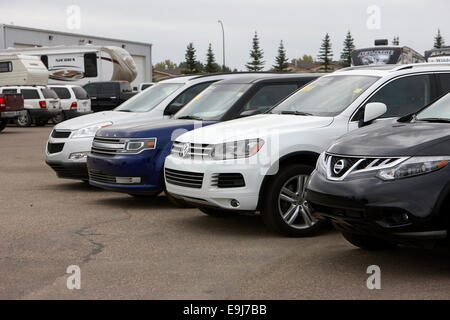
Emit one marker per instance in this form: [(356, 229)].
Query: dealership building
[(12, 36)]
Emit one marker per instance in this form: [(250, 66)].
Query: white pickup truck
[(262, 163)]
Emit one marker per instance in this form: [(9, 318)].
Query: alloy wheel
[(292, 205)]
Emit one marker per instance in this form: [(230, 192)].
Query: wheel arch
[(303, 157)]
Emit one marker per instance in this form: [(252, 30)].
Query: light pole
[(223, 45)]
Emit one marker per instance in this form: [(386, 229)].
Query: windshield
[(150, 98), (438, 110), (327, 96), (213, 102)]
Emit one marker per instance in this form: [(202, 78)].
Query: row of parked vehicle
[(260, 142)]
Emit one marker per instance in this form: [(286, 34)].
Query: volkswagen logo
[(339, 166), (185, 149)]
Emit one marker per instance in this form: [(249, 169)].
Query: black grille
[(184, 178), (348, 163), (98, 176), (60, 134), (54, 147), (78, 171), (228, 180)]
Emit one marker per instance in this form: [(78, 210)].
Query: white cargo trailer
[(16, 69)]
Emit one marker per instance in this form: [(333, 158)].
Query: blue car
[(130, 158)]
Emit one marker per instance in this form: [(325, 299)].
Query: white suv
[(74, 101), (262, 163), (71, 140), (40, 102)]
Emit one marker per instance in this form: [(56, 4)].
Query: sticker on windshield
[(239, 94), (357, 90), (198, 96), (307, 88)]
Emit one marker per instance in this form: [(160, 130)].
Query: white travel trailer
[(82, 64), (22, 70), (441, 55), (382, 54)]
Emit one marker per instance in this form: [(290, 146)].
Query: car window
[(191, 92), (9, 91), (268, 96), (438, 110), (214, 101), (444, 79), (30, 94), (150, 98), (80, 93), (91, 89), (63, 93), (327, 96), (145, 86), (405, 95), (49, 93), (108, 88)]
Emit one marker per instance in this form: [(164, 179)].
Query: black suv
[(388, 183)]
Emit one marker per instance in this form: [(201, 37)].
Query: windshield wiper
[(446, 120), (297, 113), (190, 118), (124, 110)]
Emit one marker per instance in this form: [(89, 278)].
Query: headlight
[(138, 145), (90, 131), (413, 167), (236, 149), (321, 165)]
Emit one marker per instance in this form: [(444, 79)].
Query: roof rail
[(420, 65), (202, 75)]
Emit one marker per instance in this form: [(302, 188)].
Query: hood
[(98, 117), (396, 139), (254, 127), (151, 129)]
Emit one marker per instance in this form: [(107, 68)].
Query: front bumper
[(106, 171), (59, 150), (69, 170), (12, 114), (394, 210), (211, 195)]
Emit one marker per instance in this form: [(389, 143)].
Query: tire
[(24, 121), (366, 242), (58, 118), (283, 207), (3, 124), (41, 123), (217, 213)]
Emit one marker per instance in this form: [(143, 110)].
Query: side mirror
[(173, 108), (248, 113), (373, 110)]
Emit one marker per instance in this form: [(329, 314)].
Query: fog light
[(78, 155), (234, 203), (128, 180)]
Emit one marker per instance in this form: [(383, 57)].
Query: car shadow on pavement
[(244, 225), (400, 262), (73, 186), (130, 202)]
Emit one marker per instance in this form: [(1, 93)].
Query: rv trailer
[(382, 54), (82, 64), (16, 69), (438, 55)]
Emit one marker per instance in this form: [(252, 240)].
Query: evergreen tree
[(211, 65), (281, 61), (438, 40), (396, 41), (191, 64), (256, 54), (349, 46), (325, 53)]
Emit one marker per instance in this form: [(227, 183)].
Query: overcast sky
[(170, 24)]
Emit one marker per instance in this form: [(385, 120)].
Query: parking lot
[(145, 248)]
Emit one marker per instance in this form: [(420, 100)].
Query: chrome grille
[(191, 150), (184, 178), (339, 167), (109, 146)]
